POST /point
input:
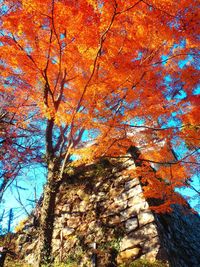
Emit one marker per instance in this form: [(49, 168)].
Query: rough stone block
[(114, 220), (31, 247), (130, 164), (129, 254), (56, 234), (81, 193), (151, 245), (136, 200), (31, 259), (131, 183), (120, 198), (73, 222), (132, 192), (65, 217), (65, 208), (84, 206), (56, 244), (140, 236), (145, 217), (131, 224), (115, 192), (150, 256), (130, 212), (91, 225), (66, 232), (117, 206)]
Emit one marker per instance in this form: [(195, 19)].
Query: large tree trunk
[(47, 217)]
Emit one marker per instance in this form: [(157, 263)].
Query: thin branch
[(157, 129), (155, 7), (171, 57), (19, 199), (129, 8), (29, 56), (14, 173), (60, 48), (47, 89), (67, 155), (102, 40), (78, 139), (182, 160), (59, 98), (61, 139), (192, 187)]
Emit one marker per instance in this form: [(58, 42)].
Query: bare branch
[(19, 200)]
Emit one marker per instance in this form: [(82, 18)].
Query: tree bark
[(2, 258), (47, 217), (2, 188)]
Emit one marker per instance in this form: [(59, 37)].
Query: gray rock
[(65, 232), (151, 245), (133, 182), (56, 244), (131, 224), (136, 200), (56, 233), (114, 220), (130, 212), (145, 217), (128, 254), (117, 206), (73, 222), (140, 236), (132, 192)]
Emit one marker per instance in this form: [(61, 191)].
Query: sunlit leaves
[(96, 65)]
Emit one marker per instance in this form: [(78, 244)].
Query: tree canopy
[(90, 68), (90, 73)]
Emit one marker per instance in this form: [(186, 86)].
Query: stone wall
[(101, 215), (179, 233), (102, 219)]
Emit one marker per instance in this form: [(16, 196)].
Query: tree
[(19, 146), (90, 70)]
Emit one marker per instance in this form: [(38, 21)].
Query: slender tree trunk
[(2, 188), (2, 258), (47, 217)]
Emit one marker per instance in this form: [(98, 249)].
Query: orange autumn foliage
[(90, 67)]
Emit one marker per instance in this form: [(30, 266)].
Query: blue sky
[(30, 186)]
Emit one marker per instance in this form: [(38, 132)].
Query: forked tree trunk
[(47, 218)]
